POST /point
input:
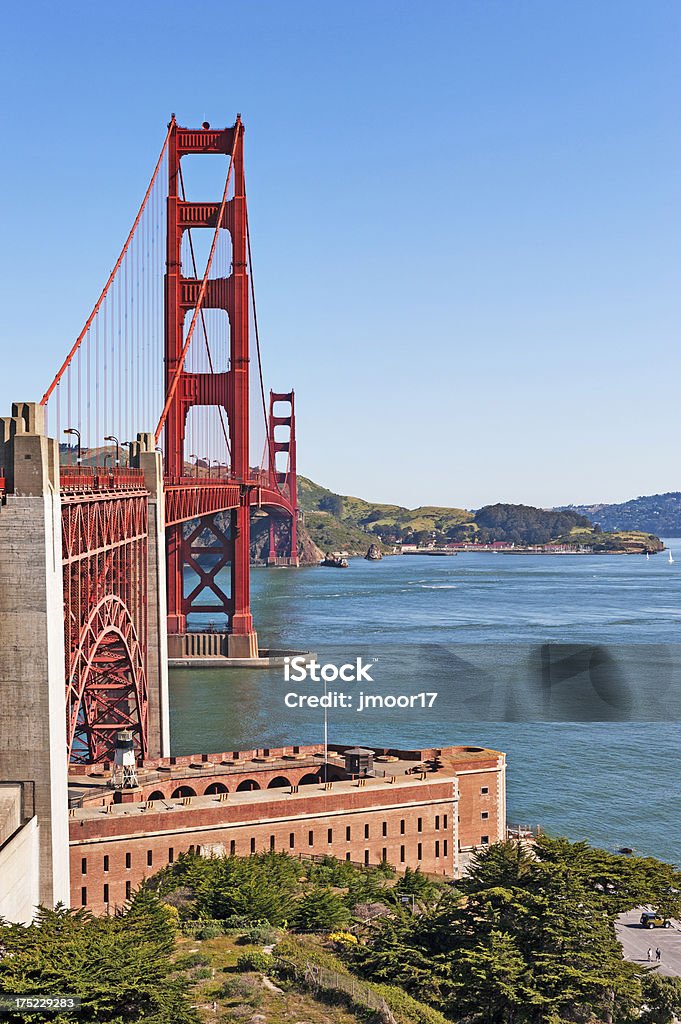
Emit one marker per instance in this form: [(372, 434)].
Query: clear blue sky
[(466, 221)]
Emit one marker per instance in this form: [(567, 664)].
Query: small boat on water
[(671, 557), (335, 562), (647, 557)]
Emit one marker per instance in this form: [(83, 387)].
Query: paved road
[(636, 941)]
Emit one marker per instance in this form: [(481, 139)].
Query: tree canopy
[(118, 966), (529, 938)]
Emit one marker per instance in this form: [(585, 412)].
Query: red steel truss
[(190, 498), (104, 544)]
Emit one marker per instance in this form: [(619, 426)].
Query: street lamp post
[(72, 430), (110, 437), (128, 445)]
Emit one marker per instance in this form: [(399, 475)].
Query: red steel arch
[(104, 552), (107, 688)]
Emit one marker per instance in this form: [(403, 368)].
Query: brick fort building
[(419, 808)]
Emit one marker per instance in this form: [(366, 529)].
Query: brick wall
[(481, 813), (412, 824)]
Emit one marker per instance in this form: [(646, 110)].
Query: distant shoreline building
[(429, 808)]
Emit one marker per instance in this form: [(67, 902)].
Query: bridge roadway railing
[(190, 497), (186, 497), (94, 479)]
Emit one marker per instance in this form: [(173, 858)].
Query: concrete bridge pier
[(32, 715), (150, 462)]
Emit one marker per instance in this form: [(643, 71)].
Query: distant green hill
[(654, 513), (338, 522), (342, 522)]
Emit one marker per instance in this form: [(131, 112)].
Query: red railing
[(198, 481), (191, 497), (91, 479)]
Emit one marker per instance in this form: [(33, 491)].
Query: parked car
[(649, 919)]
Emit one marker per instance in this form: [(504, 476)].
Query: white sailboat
[(671, 559), (647, 557)]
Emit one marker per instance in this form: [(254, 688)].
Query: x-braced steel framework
[(228, 390), (104, 543)]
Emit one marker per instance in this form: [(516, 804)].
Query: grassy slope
[(239, 996), (627, 540), (362, 521)]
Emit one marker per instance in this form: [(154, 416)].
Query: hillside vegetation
[(655, 513), (338, 522), (526, 937)]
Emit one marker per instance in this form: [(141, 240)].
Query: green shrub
[(209, 930), (319, 911), (239, 987), (237, 921), (256, 961), (385, 869), (260, 935), (406, 1009), (300, 950)]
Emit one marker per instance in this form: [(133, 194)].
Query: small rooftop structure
[(359, 761), (125, 769)]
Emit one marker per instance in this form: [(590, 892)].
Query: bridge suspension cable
[(109, 380), (111, 385), (269, 447)]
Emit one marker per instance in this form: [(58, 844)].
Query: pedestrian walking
[(650, 953), (658, 954)]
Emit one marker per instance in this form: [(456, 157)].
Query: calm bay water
[(441, 624)]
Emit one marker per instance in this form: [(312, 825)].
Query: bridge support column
[(177, 620), (32, 709), (272, 550), (242, 641), (151, 463)]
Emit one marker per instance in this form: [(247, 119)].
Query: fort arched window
[(247, 786), (309, 780), (183, 791)]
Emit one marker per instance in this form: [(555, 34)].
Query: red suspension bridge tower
[(144, 546), (227, 389)]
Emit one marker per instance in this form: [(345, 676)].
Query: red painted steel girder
[(104, 551), (189, 498), (221, 549)]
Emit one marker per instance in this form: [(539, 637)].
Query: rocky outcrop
[(374, 553), (308, 552)]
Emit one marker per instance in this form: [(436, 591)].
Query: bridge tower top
[(229, 389)]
